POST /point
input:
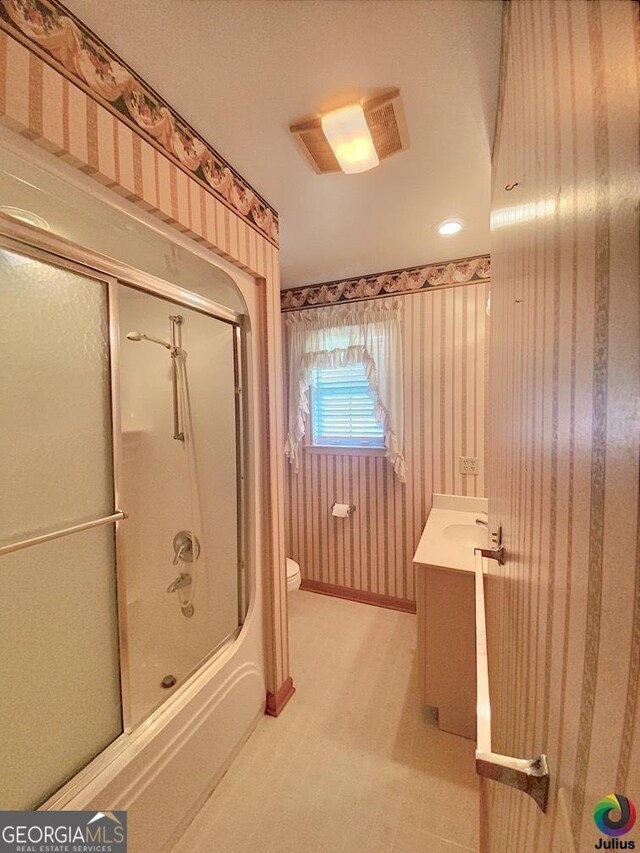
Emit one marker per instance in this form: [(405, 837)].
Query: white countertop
[(451, 534)]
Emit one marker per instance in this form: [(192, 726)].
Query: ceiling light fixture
[(450, 227), (356, 137), (350, 139)]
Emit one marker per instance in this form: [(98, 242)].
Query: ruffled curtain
[(367, 333)]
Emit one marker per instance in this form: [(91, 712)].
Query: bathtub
[(161, 770)]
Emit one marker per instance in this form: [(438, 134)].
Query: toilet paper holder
[(352, 507)]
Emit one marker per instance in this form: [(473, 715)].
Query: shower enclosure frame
[(49, 248)]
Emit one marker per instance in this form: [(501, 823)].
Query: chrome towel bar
[(530, 775), (58, 534)]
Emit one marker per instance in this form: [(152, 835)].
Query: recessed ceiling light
[(449, 227)]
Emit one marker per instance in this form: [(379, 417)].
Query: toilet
[(293, 575)]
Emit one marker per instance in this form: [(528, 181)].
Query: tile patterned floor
[(351, 766)]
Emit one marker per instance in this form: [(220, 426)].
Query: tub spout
[(183, 579)]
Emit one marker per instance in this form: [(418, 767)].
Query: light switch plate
[(469, 465)]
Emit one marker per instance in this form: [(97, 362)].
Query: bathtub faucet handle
[(184, 546)]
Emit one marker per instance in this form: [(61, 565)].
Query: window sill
[(342, 450)]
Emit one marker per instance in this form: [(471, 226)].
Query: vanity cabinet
[(446, 646), (445, 567)]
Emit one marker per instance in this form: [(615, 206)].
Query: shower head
[(140, 336)]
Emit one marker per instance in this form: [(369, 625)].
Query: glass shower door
[(180, 548), (59, 664)]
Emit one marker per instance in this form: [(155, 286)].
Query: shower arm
[(176, 321)]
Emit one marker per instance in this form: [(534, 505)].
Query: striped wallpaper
[(564, 612), (372, 552), (39, 102)]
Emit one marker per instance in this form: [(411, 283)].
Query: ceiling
[(239, 71)]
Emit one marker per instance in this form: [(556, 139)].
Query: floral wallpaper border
[(398, 282), (69, 46)]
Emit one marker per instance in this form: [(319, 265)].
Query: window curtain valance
[(368, 333)]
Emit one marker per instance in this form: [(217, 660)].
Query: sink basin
[(467, 535), (451, 534)]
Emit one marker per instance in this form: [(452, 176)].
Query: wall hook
[(509, 187)]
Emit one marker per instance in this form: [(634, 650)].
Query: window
[(342, 410), (332, 351)]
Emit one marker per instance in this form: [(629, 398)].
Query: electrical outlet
[(469, 465)]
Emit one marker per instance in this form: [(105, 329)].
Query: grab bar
[(530, 775), (58, 534)]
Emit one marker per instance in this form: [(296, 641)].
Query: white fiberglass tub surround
[(160, 765), (172, 486)]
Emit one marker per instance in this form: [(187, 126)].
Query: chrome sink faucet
[(483, 522)]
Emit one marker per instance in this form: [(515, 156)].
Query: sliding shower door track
[(42, 245)]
